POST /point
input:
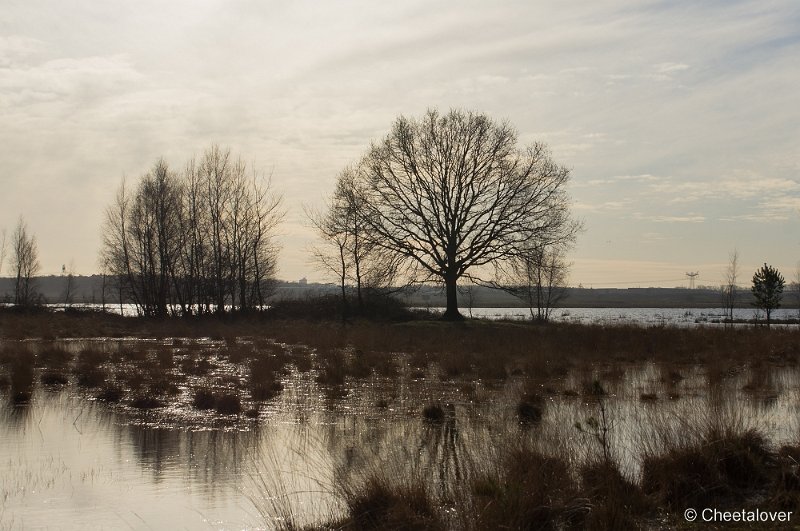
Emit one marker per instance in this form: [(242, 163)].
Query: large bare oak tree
[(453, 193)]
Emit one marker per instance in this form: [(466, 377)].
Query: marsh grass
[(265, 376), (53, 378), (203, 399), (21, 375), (227, 404), (445, 472), (529, 490), (146, 402), (433, 414), (111, 394), (530, 408), (89, 370), (714, 459), (54, 357)]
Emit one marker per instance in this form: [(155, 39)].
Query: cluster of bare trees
[(349, 251), (195, 241), (24, 263), (452, 196)]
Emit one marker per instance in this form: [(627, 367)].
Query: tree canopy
[(767, 289), (453, 193)]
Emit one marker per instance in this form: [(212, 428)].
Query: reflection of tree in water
[(432, 452), (213, 459), (440, 451), (15, 416)]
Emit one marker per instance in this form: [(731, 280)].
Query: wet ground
[(69, 459)]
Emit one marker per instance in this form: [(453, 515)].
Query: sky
[(680, 120)]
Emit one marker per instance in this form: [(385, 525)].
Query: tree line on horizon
[(440, 199)]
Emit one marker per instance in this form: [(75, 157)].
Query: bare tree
[(25, 264), (729, 289), (469, 291), (797, 290), (453, 193), (333, 257), (68, 273), (2, 249), (154, 238), (537, 276), (104, 287), (351, 251), (255, 251), (193, 242), (115, 253)]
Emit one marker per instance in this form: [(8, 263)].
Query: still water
[(68, 461), (640, 316)]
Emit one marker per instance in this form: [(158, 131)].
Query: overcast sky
[(679, 119)]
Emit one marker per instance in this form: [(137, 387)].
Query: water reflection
[(68, 459)]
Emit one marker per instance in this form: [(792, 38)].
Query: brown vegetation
[(522, 482)]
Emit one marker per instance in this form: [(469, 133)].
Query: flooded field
[(689, 317), (250, 433)]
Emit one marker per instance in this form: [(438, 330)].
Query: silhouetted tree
[(69, 284), (351, 250), (194, 242), (537, 276), (729, 289), (767, 289), (25, 265), (797, 290), (453, 193), (2, 249)]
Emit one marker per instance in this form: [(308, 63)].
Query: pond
[(601, 316), (71, 460)]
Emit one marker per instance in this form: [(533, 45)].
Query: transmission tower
[(691, 278)]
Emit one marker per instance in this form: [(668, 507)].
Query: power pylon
[(691, 278)]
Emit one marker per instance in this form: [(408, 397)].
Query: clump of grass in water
[(785, 492), (146, 402), (195, 366), (203, 399), (530, 409), (716, 461), (433, 414), (110, 393), (21, 376), (224, 404), (54, 378), (529, 490), (265, 382), (334, 368), (54, 357), (720, 468), (228, 404), (165, 358), (88, 368), (379, 505), (616, 501)]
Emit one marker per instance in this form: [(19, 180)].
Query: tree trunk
[(451, 313)]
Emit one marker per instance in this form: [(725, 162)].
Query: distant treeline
[(89, 289)]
